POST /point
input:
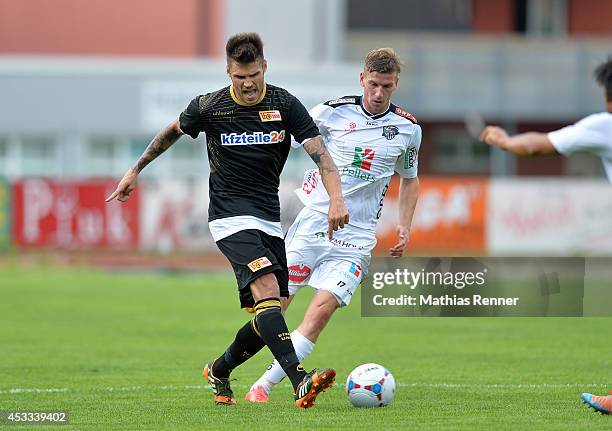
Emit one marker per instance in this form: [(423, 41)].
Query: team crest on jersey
[(266, 116), (363, 158), (390, 132), (258, 264)]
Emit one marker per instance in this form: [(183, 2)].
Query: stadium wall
[(5, 231), (102, 27), (455, 216)]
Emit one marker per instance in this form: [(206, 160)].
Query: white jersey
[(592, 134), (367, 149)]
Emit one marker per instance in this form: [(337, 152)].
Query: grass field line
[(138, 388)]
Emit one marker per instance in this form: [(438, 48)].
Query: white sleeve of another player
[(407, 164), (592, 134), (320, 114)]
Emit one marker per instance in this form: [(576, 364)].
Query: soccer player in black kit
[(248, 128)]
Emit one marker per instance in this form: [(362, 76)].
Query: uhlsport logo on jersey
[(355, 269), (256, 138), (390, 132), (266, 116), (363, 158)]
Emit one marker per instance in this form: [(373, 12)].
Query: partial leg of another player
[(599, 403), (318, 314)]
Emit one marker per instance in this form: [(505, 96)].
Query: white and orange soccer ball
[(370, 385)]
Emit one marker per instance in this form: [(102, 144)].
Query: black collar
[(377, 116)]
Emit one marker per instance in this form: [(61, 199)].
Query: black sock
[(246, 344), (274, 332)]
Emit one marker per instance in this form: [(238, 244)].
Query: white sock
[(273, 376)]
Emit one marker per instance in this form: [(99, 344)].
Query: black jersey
[(247, 148)]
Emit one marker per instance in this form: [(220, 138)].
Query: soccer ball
[(370, 385)]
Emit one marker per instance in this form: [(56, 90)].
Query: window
[(187, 149), (100, 156), (3, 157), (457, 152), (432, 15), (541, 17), (137, 146), (39, 156), (547, 17), (189, 158), (159, 168), (3, 147), (298, 162)]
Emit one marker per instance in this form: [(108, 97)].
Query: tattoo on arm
[(160, 143), (317, 151)]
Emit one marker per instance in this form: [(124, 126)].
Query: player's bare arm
[(528, 144), (160, 143), (408, 196), (338, 215)]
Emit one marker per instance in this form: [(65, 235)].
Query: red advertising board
[(72, 214), (449, 218)]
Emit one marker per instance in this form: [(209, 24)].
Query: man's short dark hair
[(244, 48), (603, 76), (382, 60)]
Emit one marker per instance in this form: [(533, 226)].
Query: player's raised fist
[(495, 136)]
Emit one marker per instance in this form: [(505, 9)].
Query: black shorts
[(252, 254)]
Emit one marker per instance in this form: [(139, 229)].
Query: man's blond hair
[(382, 60)]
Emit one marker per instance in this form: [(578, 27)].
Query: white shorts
[(337, 266)]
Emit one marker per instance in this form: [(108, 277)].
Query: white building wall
[(304, 31)]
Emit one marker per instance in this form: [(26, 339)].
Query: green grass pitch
[(124, 351)]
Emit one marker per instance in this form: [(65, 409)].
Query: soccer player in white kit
[(369, 139), (592, 134)]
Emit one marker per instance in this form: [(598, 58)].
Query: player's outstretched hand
[(398, 249), (495, 136), (125, 187), (337, 216)]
